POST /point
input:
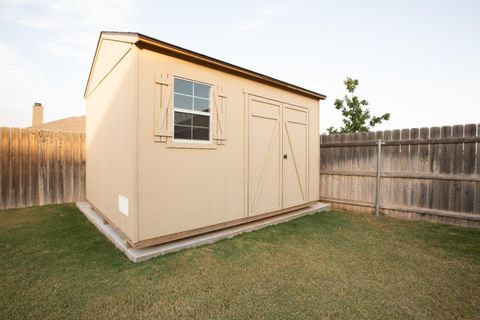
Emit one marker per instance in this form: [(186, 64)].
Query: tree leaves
[(356, 118)]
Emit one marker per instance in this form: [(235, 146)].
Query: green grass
[(55, 264)]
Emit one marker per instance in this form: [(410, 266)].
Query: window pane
[(190, 95), (201, 121), (183, 102), (201, 105), (183, 86), (184, 119), (201, 134), (182, 132), (202, 90)]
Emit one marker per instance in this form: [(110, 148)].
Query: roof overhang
[(149, 43)]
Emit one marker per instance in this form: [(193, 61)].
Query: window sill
[(186, 145)]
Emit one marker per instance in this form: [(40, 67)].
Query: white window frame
[(209, 113)]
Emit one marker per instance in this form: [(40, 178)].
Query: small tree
[(356, 117)]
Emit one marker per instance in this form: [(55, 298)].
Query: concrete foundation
[(143, 254)]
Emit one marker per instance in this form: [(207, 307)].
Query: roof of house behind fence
[(73, 124)]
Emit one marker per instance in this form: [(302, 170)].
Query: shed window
[(191, 104)]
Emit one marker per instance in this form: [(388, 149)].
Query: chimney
[(37, 114)]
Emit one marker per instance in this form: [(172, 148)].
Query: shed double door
[(277, 155)]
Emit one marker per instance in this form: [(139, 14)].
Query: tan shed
[(179, 143)]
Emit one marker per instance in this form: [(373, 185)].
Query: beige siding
[(174, 187), (186, 188), (111, 134), (110, 52)]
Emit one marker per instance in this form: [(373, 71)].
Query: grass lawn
[(55, 264)]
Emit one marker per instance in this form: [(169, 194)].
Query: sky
[(417, 60)]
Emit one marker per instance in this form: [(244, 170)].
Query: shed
[(179, 143)]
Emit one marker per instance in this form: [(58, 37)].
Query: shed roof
[(146, 42)]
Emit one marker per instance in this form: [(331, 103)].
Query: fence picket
[(434, 191), (25, 187), (456, 186), (16, 172), (385, 192), (371, 166), (323, 163), (405, 188), (445, 167), (423, 167), (5, 167), (477, 184), (468, 188), (413, 167), (395, 167), (348, 166), (356, 166), (34, 168)]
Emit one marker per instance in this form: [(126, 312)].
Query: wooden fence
[(41, 167), (426, 173)]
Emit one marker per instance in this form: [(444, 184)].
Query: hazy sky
[(418, 60)]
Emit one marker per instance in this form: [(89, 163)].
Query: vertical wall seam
[(135, 169)]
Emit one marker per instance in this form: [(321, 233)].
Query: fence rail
[(401, 142), (432, 172), (41, 167)]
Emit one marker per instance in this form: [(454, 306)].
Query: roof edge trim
[(145, 42)]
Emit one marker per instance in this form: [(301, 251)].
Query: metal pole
[(379, 165)]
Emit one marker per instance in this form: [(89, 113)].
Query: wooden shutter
[(163, 127), (219, 115)]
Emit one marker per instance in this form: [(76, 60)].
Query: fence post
[(379, 169)]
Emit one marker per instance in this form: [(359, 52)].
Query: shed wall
[(111, 134), (184, 187)]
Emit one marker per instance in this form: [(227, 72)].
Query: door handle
[(285, 156)]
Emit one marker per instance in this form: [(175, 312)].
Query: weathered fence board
[(455, 186), (424, 186), (423, 171), (477, 187), (445, 167), (468, 188), (41, 167), (5, 166), (434, 193)]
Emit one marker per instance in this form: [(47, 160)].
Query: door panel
[(295, 162), (277, 156), (265, 164)]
